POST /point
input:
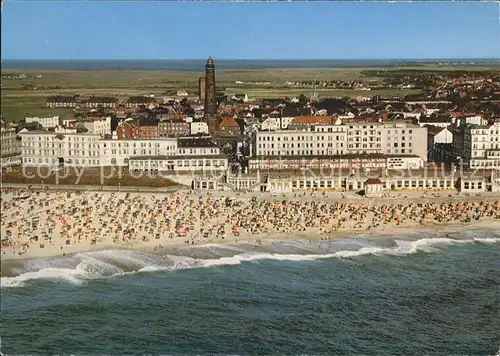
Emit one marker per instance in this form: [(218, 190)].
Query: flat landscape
[(25, 97)]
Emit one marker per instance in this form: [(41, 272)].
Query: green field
[(17, 101)]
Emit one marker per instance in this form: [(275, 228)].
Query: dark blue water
[(422, 298), (196, 64)]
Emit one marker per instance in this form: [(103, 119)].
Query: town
[(213, 141)]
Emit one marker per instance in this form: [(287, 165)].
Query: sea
[(228, 64), (425, 294)]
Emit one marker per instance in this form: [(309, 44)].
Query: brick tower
[(210, 101)]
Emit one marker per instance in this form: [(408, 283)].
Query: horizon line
[(250, 59)]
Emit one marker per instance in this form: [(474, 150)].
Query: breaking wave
[(111, 263)]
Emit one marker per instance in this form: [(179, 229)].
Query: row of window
[(299, 165), (178, 163), (47, 161)]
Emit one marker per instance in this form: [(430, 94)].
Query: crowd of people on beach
[(38, 220)]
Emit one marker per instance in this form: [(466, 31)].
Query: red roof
[(229, 122), (313, 120), (373, 181)]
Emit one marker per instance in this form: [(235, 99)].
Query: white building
[(44, 148), (98, 125), (199, 127), (352, 138), (119, 152), (46, 122), (271, 124), (41, 148), (285, 121), (197, 146), (10, 146), (478, 145), (65, 130), (209, 164)]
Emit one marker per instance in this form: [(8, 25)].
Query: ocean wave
[(111, 263)]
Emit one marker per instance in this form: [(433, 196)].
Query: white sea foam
[(112, 263)]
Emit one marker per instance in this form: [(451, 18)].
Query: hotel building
[(42, 148), (330, 142), (478, 146), (359, 138), (10, 146)]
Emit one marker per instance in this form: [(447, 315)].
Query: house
[(174, 127), (65, 130), (148, 128), (62, 101), (374, 187), (229, 127), (10, 145), (240, 97), (45, 122), (101, 101), (471, 184), (136, 101), (495, 181), (435, 120), (127, 130), (68, 122), (306, 122), (198, 127), (98, 125), (182, 93), (437, 135), (197, 146), (271, 124)]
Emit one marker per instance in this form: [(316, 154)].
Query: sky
[(238, 30)]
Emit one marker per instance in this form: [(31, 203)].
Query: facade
[(10, 146), (148, 130), (198, 127), (45, 122), (119, 152), (436, 136), (180, 164), (98, 125), (174, 127), (271, 124), (136, 101), (127, 130), (201, 89), (229, 127), (197, 146), (334, 163), (372, 186), (359, 138), (103, 102), (62, 101), (478, 146), (43, 148)]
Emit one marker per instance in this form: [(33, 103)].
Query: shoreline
[(267, 241), (54, 224)]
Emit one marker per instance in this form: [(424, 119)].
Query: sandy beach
[(57, 223)]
